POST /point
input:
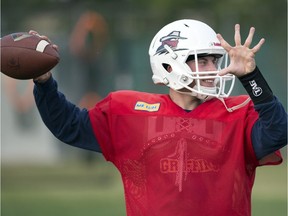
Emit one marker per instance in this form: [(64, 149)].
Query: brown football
[(26, 56)]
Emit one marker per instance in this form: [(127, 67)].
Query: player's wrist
[(46, 87), (257, 87), (43, 78)]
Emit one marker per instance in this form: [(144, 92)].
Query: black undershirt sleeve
[(269, 132)]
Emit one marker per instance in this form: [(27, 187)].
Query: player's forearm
[(270, 130), (66, 121)]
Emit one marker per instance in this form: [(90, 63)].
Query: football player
[(194, 150)]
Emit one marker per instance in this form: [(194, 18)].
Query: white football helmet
[(172, 46)]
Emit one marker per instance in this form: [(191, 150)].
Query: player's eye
[(202, 62), (215, 61)]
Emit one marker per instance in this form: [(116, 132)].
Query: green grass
[(97, 190), (63, 190), (270, 191)]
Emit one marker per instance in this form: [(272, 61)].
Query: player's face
[(207, 63)]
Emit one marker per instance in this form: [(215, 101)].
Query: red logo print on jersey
[(180, 164)]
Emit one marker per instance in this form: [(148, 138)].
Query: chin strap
[(204, 98), (231, 109)]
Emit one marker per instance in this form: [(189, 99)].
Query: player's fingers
[(45, 38), (33, 32), (250, 37), (224, 43), (256, 48), (55, 47), (224, 71), (237, 36)]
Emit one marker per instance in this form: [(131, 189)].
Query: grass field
[(97, 191)]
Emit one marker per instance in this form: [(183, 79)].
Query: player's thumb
[(224, 71)]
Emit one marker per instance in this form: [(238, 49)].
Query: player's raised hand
[(242, 57), (33, 32), (43, 78)]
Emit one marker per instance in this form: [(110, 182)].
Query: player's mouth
[(208, 82)]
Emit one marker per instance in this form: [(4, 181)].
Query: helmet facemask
[(222, 85)]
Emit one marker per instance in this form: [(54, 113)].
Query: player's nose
[(211, 66)]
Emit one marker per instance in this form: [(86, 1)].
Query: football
[(26, 56)]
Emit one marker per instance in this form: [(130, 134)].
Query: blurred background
[(104, 47)]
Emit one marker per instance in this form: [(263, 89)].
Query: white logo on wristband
[(256, 90)]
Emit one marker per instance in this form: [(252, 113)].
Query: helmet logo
[(171, 40)]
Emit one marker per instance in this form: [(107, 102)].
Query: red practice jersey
[(175, 162)]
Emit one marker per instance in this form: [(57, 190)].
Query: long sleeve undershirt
[(72, 125)]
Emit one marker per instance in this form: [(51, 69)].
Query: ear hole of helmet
[(167, 67)]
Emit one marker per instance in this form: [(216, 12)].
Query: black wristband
[(257, 87)]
